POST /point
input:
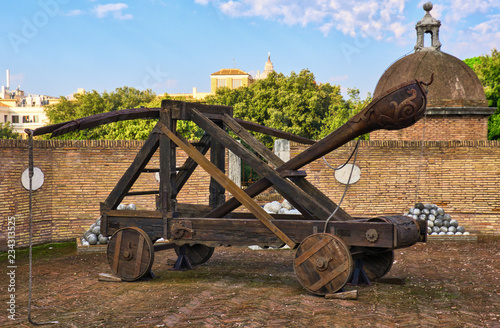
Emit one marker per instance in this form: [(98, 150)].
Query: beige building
[(231, 78), (23, 112)]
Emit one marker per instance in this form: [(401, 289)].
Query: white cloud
[(113, 9), (373, 18), (74, 12)]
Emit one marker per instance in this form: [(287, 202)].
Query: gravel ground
[(446, 284)]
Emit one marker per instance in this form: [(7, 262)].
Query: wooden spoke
[(130, 253), (198, 253), (323, 263)]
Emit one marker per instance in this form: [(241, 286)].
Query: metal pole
[(30, 155)]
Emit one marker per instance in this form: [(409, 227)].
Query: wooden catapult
[(332, 248)]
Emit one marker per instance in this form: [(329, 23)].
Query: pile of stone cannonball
[(280, 208), (438, 222), (93, 236)]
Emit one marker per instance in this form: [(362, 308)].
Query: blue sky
[(53, 47)]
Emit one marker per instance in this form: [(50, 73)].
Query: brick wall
[(462, 177), (78, 176), (440, 128)]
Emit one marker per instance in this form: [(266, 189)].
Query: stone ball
[(446, 223), (121, 207), (452, 229), (428, 206), (440, 211), (434, 233), (131, 207), (450, 233), (422, 217), (436, 229), (430, 224), (426, 211), (420, 206), (429, 230), (442, 233), (458, 233), (431, 217), (446, 217), (286, 204), (461, 229), (92, 239), (416, 211), (434, 212), (438, 223), (454, 223), (443, 229), (96, 230), (102, 239), (427, 6), (466, 233)]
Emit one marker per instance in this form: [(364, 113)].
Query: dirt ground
[(446, 284)]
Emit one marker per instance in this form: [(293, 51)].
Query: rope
[(355, 152), (30, 155), (342, 166)]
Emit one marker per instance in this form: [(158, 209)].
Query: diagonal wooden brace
[(218, 175)]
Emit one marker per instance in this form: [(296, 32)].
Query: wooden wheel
[(323, 263), (197, 253), (376, 265), (130, 253)]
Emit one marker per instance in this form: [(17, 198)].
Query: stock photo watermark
[(30, 27), (11, 267)]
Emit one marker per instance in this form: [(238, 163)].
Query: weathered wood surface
[(398, 108), (323, 264), (130, 254), (227, 183), (133, 172)]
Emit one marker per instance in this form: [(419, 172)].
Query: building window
[(221, 83), (26, 119), (36, 119), (15, 119), (6, 118), (236, 84)]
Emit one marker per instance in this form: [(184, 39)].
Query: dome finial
[(428, 24), (428, 7)]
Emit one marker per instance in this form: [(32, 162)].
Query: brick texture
[(462, 176), (439, 128)]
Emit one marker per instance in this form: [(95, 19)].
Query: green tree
[(91, 103), (6, 132), (294, 104), (487, 69)]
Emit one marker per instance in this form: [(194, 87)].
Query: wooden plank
[(307, 205), (133, 172), (218, 158), (138, 256), (190, 165), (116, 255), (248, 202), (311, 251), (330, 276), (349, 295), (168, 187), (273, 132), (275, 160)]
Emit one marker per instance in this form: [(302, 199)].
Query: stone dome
[(455, 83)]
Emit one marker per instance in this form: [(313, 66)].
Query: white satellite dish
[(37, 180)]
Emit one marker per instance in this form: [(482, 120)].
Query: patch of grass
[(43, 251)]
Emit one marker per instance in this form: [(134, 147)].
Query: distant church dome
[(455, 83), (456, 103)]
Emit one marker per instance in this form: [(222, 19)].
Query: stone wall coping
[(486, 111)]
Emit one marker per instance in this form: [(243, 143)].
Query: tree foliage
[(487, 69), (6, 132), (294, 104), (91, 103)]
